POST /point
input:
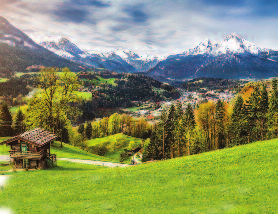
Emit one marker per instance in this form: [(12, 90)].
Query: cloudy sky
[(155, 27)]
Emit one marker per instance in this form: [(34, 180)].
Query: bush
[(123, 157), (98, 150), (50, 163)]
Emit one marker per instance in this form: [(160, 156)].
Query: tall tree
[(206, 120), (189, 124), (264, 104), (220, 127), (53, 103), (6, 121), (81, 130), (273, 112), (88, 131), (169, 134), (19, 126), (238, 121)]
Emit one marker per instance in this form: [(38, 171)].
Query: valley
[(112, 129)]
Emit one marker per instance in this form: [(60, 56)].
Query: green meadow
[(242, 179), (110, 81), (67, 151), (115, 145), (3, 79)]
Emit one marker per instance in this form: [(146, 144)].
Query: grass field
[(3, 79), (84, 95), (15, 109), (236, 180), (67, 151), (115, 145), (3, 148), (110, 81), (19, 74)]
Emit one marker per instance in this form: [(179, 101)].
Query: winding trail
[(99, 163)]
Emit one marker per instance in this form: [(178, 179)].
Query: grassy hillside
[(67, 151), (237, 180), (113, 145)]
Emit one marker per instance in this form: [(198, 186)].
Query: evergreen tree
[(263, 112), (238, 122), (169, 134), (65, 135), (81, 130), (19, 126), (273, 112), (189, 124), (153, 150), (189, 117), (88, 131), (178, 130), (5, 121), (179, 111), (253, 111)]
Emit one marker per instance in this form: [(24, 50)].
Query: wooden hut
[(31, 149)]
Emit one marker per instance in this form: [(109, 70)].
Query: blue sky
[(155, 27)]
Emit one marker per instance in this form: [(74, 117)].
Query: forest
[(252, 116), (182, 129), (198, 84)]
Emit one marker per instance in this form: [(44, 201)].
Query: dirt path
[(4, 157), (100, 163)]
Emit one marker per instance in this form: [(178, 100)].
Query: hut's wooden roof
[(36, 136)]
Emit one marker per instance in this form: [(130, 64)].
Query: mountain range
[(233, 58), (18, 51), (118, 60)]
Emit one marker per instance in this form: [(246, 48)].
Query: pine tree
[(19, 126), (189, 124), (169, 134), (81, 130), (239, 122), (65, 135), (189, 117), (273, 112), (263, 112), (253, 111), (5, 121), (179, 111), (88, 131), (178, 130), (153, 150)]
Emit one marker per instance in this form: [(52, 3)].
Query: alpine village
[(115, 132)]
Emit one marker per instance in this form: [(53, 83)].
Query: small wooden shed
[(31, 149)]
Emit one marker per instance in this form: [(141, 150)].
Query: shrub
[(50, 163), (123, 157)]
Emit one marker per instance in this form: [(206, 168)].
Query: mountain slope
[(18, 51), (115, 60), (234, 58), (242, 179)]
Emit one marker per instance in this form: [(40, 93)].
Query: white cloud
[(156, 27)]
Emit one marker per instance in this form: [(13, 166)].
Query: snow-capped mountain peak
[(233, 43), (63, 47)]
